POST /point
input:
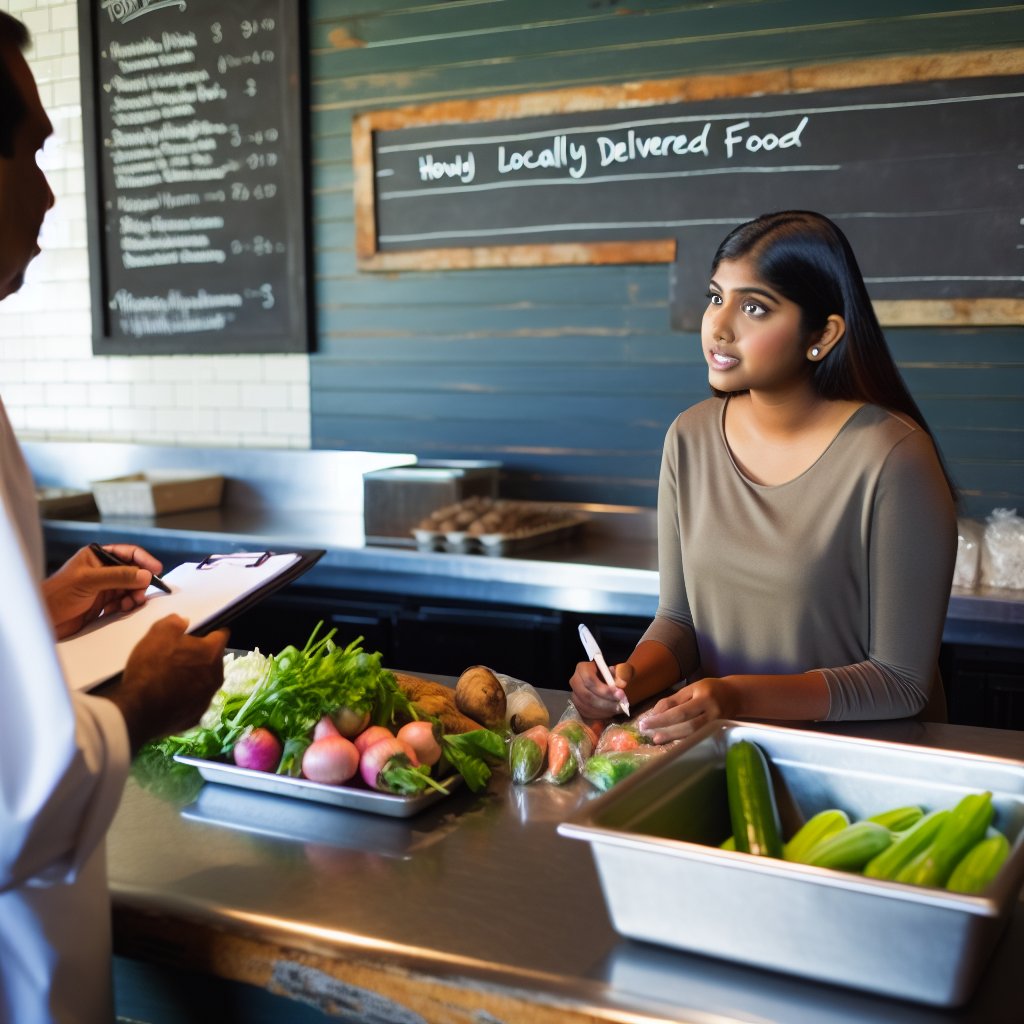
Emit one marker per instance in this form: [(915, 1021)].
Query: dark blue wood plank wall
[(570, 376)]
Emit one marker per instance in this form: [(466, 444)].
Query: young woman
[(806, 525)]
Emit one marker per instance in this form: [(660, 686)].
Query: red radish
[(372, 735), (332, 759), (421, 737), (390, 765), (324, 728), (257, 748), (350, 723)]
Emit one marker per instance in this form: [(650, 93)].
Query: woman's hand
[(83, 587), (684, 712), (593, 697)]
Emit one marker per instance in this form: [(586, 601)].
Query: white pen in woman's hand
[(595, 655)]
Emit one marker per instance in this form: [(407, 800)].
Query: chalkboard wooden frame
[(634, 96), (290, 325)]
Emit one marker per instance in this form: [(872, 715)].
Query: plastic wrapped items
[(527, 753), (620, 736), (605, 770), (969, 535), (1002, 552), (570, 743)]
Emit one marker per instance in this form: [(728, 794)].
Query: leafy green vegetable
[(295, 689), (469, 752)]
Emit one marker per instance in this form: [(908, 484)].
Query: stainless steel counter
[(313, 499), (475, 909)]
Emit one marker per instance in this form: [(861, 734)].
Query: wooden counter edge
[(341, 982)]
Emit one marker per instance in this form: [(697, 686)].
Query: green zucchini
[(906, 846), (899, 819), (964, 827), (752, 807), (820, 826), (728, 844), (851, 848), (980, 865)]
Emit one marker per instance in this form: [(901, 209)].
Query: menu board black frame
[(195, 138)]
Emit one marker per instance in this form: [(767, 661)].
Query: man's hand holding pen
[(87, 585)]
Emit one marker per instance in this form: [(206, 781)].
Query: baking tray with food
[(329, 724), (355, 795), (656, 840), (496, 526)]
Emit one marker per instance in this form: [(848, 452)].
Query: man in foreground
[(64, 756)]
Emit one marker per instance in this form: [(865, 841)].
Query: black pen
[(111, 559)]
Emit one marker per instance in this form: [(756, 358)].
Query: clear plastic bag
[(527, 754), (1002, 552), (523, 705), (621, 736), (570, 744), (607, 769), (969, 536)]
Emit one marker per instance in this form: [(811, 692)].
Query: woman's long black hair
[(807, 258)]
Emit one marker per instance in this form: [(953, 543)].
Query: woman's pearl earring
[(815, 351)]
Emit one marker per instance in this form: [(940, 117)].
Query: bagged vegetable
[(1002, 552), (526, 754), (608, 769), (570, 743), (619, 736)]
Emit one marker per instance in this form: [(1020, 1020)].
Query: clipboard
[(209, 594)]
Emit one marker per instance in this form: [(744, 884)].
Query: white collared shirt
[(63, 761)]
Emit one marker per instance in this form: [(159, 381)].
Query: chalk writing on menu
[(195, 203), (902, 167)]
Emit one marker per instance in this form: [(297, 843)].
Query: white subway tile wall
[(53, 387)]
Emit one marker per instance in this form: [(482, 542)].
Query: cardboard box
[(157, 493)]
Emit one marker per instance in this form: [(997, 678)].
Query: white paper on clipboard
[(101, 650)]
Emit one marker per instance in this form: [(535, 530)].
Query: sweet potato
[(437, 700), (481, 696)]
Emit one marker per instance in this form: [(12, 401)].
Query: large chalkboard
[(194, 115), (926, 176)]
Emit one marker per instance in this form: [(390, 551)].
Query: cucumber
[(752, 807), (888, 864), (964, 827), (980, 865), (899, 819), (851, 848), (820, 826)]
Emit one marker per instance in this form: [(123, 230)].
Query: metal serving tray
[(655, 840), (354, 796)]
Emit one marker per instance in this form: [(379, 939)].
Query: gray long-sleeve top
[(845, 569)]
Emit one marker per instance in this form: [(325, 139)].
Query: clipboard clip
[(211, 560)]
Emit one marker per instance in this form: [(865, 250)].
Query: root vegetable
[(372, 735), (421, 737), (259, 749), (332, 760), (480, 696), (350, 723), (415, 687), (621, 736), (390, 765), (524, 710), (570, 743), (324, 728), (437, 701)]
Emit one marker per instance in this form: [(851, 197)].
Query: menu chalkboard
[(195, 175), (925, 177)]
